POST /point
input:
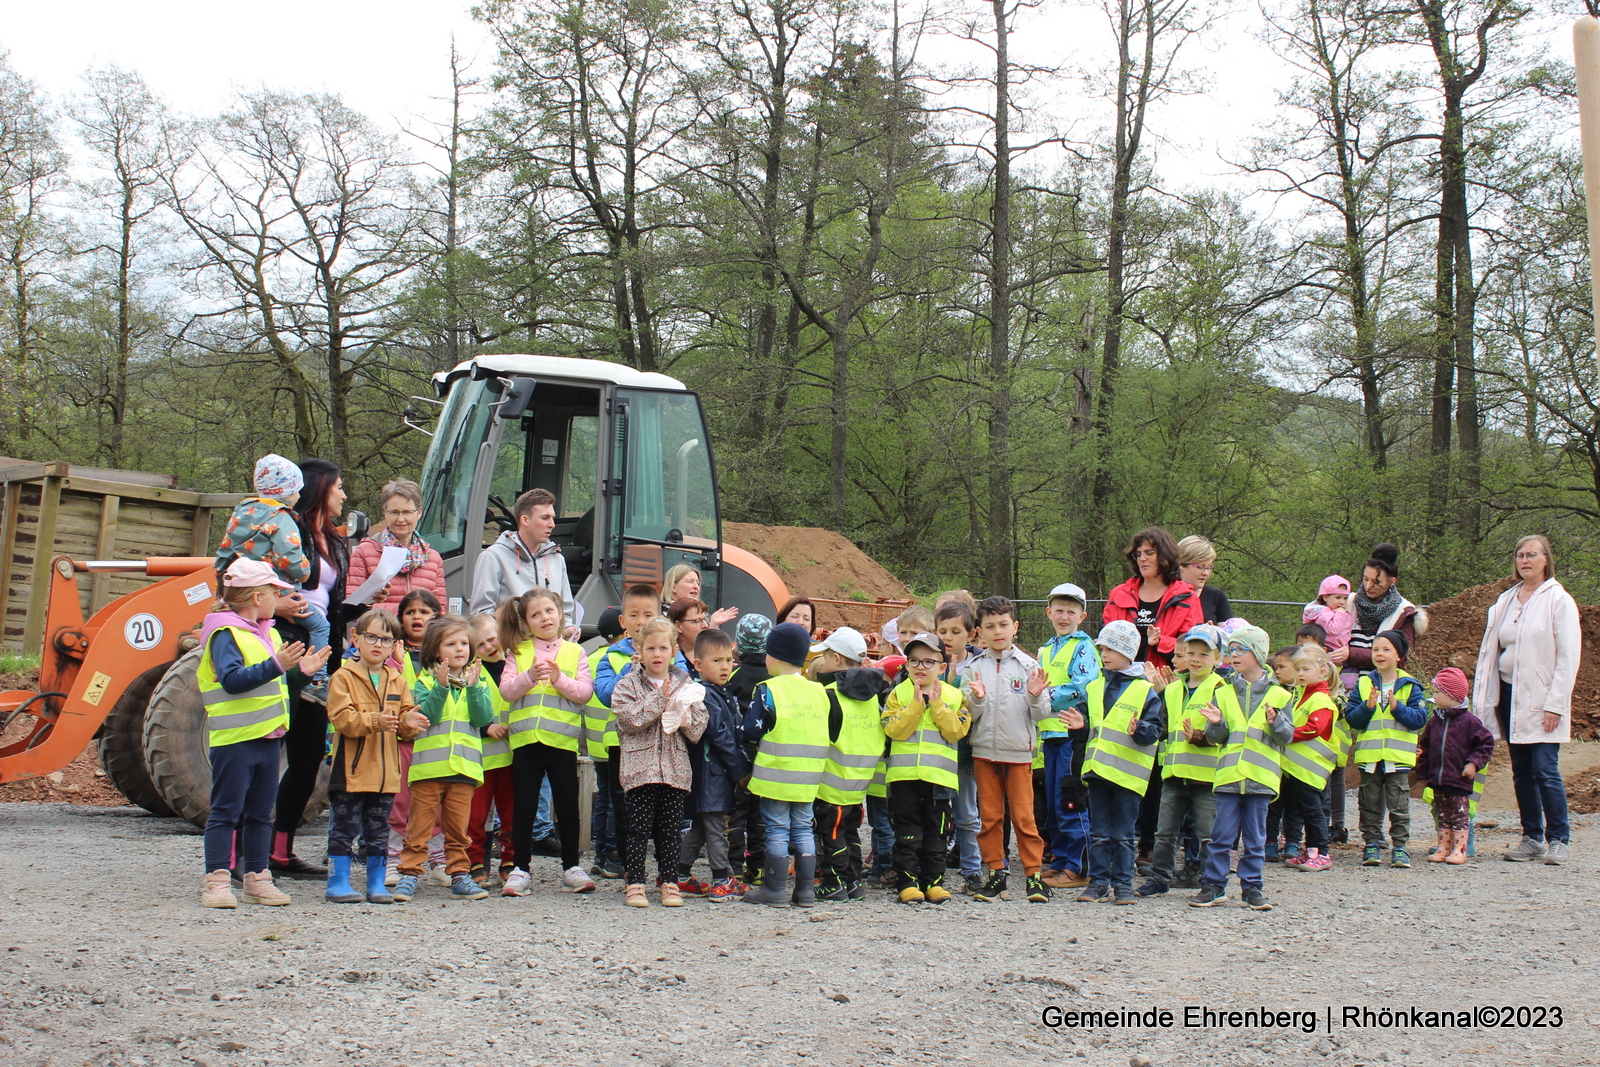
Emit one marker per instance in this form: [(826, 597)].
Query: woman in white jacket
[(1527, 666)]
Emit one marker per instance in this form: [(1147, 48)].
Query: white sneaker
[(438, 876), (516, 883), (577, 880), (392, 877), (1525, 850)]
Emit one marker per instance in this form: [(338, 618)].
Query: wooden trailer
[(91, 513)]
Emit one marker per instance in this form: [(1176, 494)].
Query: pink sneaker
[(1314, 861)]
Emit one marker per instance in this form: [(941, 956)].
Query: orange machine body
[(87, 665)]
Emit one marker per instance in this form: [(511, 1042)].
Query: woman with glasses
[(1197, 558), (1527, 666), (401, 502)]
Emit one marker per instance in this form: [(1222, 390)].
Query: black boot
[(774, 888), (805, 881)]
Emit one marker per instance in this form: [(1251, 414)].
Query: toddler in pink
[(1329, 612)]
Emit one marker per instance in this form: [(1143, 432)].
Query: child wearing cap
[(1452, 751), (1329, 612), (789, 714), (1387, 709), (1070, 663), (1005, 688), (1189, 768), (923, 718), (242, 686), (263, 528), (1122, 721), (856, 747)]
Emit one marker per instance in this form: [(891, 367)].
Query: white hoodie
[(507, 569)]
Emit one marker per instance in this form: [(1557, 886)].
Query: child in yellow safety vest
[(856, 742), (415, 610), (1387, 708), (447, 759), (242, 686), (1249, 771), (1070, 661), (1122, 717), (923, 718), (789, 714), (496, 790), (546, 682), (1312, 754)]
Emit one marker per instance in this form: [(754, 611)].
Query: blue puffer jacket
[(717, 760)]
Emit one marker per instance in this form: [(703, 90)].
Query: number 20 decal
[(143, 631)]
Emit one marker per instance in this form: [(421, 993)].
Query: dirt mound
[(80, 782), (1455, 630), (818, 563), (1583, 792)]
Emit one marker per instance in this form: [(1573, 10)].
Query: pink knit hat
[(1333, 585), (1452, 681)]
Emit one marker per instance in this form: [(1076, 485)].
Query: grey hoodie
[(1003, 722), (507, 569)]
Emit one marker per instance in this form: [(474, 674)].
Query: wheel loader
[(625, 453)]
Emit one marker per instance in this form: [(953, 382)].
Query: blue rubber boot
[(339, 891), (377, 872), (1472, 837)]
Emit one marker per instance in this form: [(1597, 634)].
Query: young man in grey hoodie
[(524, 559), (1008, 694)]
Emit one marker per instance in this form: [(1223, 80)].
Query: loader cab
[(625, 453)]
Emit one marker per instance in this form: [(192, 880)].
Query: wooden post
[(8, 548), (105, 547), (1586, 65), (200, 539), (43, 552)]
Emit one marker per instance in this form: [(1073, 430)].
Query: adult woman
[(1197, 557), (1527, 666), (800, 610), (321, 501), (1156, 599), (688, 618), (683, 583), (1378, 606), (401, 501)]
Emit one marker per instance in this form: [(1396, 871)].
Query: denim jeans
[(1243, 815), (882, 835), (244, 781), (968, 821), (788, 822), (1536, 778), (601, 824), (320, 634), (1068, 835), (542, 826), (1113, 813), (1181, 797)]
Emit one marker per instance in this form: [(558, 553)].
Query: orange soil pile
[(819, 563), (1455, 630), (79, 782), (1583, 792)]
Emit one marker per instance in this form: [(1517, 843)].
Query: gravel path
[(108, 959)]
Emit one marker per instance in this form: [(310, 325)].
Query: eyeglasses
[(695, 620), (409, 513), (1530, 555), (1235, 650), (925, 664), (376, 639), (1206, 567)]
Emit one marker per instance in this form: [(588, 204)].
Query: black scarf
[(1371, 613)]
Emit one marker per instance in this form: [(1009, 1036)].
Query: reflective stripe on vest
[(1385, 739), (791, 757), (879, 786), (542, 714), (235, 717), (497, 754), (1185, 760), (854, 757), (1249, 753), (452, 747), (599, 724), (1312, 761), (925, 755), (1111, 753)]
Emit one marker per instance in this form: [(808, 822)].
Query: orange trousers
[(449, 804), (999, 783)]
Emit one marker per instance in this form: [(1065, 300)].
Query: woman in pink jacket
[(401, 501), (1527, 666)]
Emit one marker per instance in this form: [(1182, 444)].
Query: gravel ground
[(109, 959)]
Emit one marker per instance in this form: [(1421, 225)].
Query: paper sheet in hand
[(389, 565)]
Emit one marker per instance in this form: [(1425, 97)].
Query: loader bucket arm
[(87, 665)]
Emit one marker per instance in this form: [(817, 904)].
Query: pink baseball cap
[(1333, 584), (249, 573)]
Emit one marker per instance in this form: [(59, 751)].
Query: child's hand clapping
[(473, 673), (441, 674), (312, 662), (414, 720), (1211, 712), (975, 687), (498, 731), (290, 654), (1038, 681), (1072, 718), (388, 722), (1158, 676)]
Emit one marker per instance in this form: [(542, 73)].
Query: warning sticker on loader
[(196, 593), (97, 688)]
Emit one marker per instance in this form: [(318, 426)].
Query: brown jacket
[(368, 756), (648, 755)]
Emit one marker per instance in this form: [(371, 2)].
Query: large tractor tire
[(121, 745), (176, 752)]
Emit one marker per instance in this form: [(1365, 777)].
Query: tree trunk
[(999, 536)]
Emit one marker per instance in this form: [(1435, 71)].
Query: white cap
[(846, 641), (1067, 589)]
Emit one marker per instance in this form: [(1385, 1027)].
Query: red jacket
[(429, 576), (1319, 723), (1179, 613)]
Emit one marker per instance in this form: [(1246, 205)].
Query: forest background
[(923, 309)]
